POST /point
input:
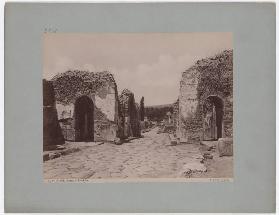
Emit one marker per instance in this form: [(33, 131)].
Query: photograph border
[(253, 27)]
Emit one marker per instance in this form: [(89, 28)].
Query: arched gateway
[(213, 118), (84, 119)]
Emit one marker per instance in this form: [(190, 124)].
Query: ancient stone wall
[(190, 122), (175, 114), (130, 114), (211, 77), (101, 89), (52, 134)]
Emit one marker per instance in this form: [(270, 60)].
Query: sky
[(148, 64)]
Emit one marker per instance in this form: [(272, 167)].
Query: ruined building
[(175, 113), (52, 134), (206, 99), (130, 114), (87, 105)]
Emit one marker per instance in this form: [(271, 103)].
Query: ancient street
[(149, 157)]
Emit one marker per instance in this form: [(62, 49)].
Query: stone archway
[(213, 118), (84, 119)]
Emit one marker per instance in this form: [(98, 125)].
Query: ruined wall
[(52, 134), (190, 120), (175, 115), (106, 112), (130, 114), (208, 77), (101, 89)]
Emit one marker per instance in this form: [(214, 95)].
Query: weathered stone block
[(225, 147), (118, 141), (45, 157), (173, 140), (54, 155), (207, 155), (183, 140)]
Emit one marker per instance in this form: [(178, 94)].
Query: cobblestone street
[(149, 157)]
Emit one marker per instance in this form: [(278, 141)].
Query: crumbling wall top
[(212, 75), (69, 83), (125, 97)]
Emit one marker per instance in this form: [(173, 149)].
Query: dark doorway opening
[(84, 119), (213, 118)]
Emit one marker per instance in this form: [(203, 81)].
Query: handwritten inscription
[(50, 30), (220, 179)]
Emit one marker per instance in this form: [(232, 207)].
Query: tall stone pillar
[(52, 134)]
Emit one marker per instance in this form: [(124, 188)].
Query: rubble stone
[(225, 147)]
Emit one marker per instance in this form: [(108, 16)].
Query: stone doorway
[(213, 118), (84, 119)]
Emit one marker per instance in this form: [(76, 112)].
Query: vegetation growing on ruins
[(158, 112), (215, 77), (130, 110), (69, 83), (215, 74)]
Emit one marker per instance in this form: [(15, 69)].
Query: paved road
[(149, 157)]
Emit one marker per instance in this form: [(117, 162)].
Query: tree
[(142, 112)]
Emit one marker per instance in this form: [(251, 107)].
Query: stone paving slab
[(149, 157)]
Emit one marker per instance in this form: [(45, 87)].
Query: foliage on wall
[(216, 74), (68, 84)]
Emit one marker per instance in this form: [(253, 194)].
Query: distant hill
[(159, 106), (158, 112)]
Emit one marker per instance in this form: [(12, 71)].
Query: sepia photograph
[(137, 107)]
